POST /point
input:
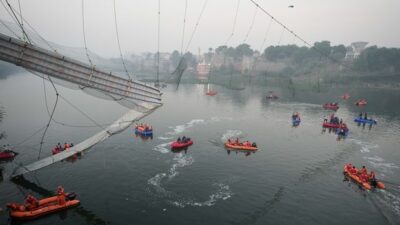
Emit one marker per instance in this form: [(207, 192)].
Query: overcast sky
[(340, 21)]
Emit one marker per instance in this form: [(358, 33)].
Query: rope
[(31, 27), (58, 122), (51, 117), (251, 25), (281, 36), (29, 137), (20, 12), (234, 23), (9, 29), (19, 23), (281, 24), (158, 45), (84, 34), (197, 24), (184, 24), (265, 35), (119, 45)]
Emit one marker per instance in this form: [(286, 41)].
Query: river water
[(294, 178)]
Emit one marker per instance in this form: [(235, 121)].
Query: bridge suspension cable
[(197, 24), (20, 23), (234, 23), (184, 25), (119, 44), (251, 25), (158, 44), (84, 34)]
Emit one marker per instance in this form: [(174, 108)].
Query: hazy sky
[(340, 21)]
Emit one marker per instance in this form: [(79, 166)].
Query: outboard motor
[(70, 196)]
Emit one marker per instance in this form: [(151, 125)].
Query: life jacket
[(364, 171)]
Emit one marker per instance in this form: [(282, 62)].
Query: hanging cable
[(281, 24), (83, 113), (234, 23), (265, 36), (29, 137), (30, 26), (51, 117), (251, 25), (9, 29), (281, 36), (197, 24), (19, 22), (84, 34), (184, 24), (119, 45), (58, 122), (20, 13), (158, 45)]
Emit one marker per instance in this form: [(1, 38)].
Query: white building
[(354, 51)]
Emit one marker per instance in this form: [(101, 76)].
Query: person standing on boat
[(61, 195), (31, 202), (365, 116)]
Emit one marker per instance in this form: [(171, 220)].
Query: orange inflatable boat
[(357, 179), (240, 146), (45, 206)]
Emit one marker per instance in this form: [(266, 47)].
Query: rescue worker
[(61, 195), (349, 167), (364, 177), (179, 140), (364, 170), (31, 202), (353, 170), (66, 146), (372, 175), (237, 141)]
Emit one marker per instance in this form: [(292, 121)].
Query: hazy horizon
[(341, 22)]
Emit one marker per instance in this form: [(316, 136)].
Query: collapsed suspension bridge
[(142, 99)]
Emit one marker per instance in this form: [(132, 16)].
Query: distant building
[(354, 51), (203, 69)]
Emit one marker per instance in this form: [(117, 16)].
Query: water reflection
[(240, 152), (2, 114), (144, 137), (88, 216)]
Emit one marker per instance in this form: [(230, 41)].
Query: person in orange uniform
[(364, 177), (61, 195), (364, 170), (31, 202), (372, 175), (349, 167), (353, 170)]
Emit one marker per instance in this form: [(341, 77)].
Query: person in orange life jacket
[(66, 146), (31, 202), (229, 141), (364, 177), (372, 175), (59, 146), (364, 170), (353, 170), (349, 167), (61, 195), (237, 141)]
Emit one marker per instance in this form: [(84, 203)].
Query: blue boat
[(145, 132), (341, 133), (361, 120), (296, 121)]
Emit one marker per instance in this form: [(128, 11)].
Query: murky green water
[(294, 178)]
